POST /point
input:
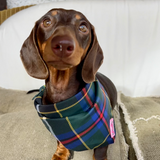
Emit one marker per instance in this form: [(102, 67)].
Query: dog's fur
[(63, 49)]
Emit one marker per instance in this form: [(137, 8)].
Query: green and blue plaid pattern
[(82, 122)]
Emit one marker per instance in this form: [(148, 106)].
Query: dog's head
[(62, 39)]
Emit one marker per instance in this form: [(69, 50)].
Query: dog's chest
[(82, 122)]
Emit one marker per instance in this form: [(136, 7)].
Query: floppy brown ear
[(93, 60), (31, 58)]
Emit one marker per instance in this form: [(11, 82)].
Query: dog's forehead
[(67, 15)]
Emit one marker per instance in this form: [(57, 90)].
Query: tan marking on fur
[(54, 13), (43, 47), (78, 16)]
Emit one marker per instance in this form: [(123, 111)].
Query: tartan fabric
[(82, 122)]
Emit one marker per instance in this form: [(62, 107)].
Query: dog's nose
[(62, 46)]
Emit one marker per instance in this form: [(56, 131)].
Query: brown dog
[(63, 49)]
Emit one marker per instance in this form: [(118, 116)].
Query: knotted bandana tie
[(82, 122)]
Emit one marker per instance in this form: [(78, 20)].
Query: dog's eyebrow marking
[(78, 16), (54, 13)]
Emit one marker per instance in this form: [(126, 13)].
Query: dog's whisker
[(60, 47)]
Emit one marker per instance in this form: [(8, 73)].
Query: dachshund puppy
[(76, 102)]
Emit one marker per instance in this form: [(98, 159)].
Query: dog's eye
[(83, 28), (47, 22)]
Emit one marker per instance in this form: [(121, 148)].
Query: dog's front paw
[(59, 157), (62, 153), (98, 159)]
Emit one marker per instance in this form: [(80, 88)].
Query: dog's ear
[(31, 58), (93, 59)]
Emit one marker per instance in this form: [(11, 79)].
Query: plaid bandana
[(82, 122)]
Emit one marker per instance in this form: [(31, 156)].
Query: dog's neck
[(61, 85)]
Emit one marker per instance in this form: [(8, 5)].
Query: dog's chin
[(60, 65)]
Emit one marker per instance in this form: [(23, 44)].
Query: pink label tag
[(112, 128)]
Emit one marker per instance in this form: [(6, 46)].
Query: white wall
[(128, 32)]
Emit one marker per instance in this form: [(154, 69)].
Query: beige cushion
[(141, 126), (23, 135)]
